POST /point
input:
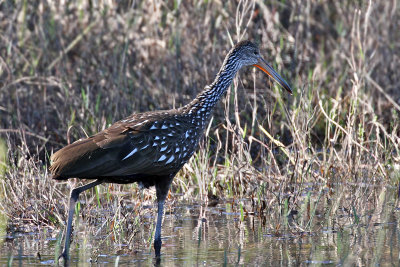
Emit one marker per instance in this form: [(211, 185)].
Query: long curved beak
[(261, 64)]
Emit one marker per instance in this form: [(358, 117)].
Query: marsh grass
[(332, 148)]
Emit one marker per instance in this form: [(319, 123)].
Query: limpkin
[(150, 148)]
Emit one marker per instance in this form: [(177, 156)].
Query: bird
[(150, 148)]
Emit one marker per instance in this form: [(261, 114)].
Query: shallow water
[(214, 236)]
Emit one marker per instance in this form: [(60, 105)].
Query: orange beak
[(261, 64)]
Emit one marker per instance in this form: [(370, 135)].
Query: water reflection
[(213, 236)]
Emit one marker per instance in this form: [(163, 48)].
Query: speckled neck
[(202, 106)]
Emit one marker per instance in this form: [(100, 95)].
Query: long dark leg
[(162, 188), (157, 235), (74, 197)]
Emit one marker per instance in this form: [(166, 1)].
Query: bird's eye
[(256, 53)]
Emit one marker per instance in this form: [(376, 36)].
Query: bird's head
[(247, 53)]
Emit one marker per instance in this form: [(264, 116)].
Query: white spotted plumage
[(130, 154), (162, 158), (170, 160)]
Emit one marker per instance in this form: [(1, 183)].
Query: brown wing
[(148, 143)]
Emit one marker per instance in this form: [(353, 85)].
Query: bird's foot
[(64, 256), (157, 248)]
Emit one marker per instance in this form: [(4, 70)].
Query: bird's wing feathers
[(128, 147)]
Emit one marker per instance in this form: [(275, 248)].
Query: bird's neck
[(202, 106)]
